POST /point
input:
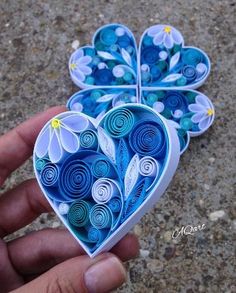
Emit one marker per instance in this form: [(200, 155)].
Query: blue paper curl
[(148, 139), (49, 175), (88, 139), (75, 179)]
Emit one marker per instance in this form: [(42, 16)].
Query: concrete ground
[(35, 43)]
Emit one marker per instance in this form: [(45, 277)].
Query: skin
[(40, 261)]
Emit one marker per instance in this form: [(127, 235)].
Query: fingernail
[(105, 275)]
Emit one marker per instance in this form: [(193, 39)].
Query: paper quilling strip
[(103, 164)]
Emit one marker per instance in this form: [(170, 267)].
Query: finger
[(50, 247), (81, 274), (9, 277), (16, 145), (127, 248), (20, 206)]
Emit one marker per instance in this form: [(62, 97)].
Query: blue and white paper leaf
[(106, 143), (172, 77), (131, 175), (174, 60), (106, 55)]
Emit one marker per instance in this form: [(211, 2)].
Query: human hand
[(51, 258)]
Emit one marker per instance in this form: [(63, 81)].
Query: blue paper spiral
[(95, 235), (49, 174), (100, 216), (174, 100), (119, 122), (78, 214), (150, 55), (101, 168), (88, 139), (76, 179), (148, 139), (115, 204), (189, 72)]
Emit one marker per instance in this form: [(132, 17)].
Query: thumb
[(80, 274)]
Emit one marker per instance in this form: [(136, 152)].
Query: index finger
[(16, 146)]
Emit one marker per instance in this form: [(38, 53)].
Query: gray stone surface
[(35, 44)]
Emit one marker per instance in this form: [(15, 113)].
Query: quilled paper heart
[(166, 62), (166, 72), (110, 61), (102, 178)]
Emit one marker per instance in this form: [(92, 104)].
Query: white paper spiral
[(148, 166), (104, 189)]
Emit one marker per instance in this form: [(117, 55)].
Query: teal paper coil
[(100, 216), (78, 214), (119, 123), (40, 163)]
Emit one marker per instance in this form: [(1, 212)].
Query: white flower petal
[(69, 140), (177, 37), (168, 41), (55, 151), (196, 108), (84, 60), (158, 39), (41, 147), (198, 117), (85, 69), (154, 30), (78, 54), (204, 123), (79, 74), (201, 100), (75, 122)]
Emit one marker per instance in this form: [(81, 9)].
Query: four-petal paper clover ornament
[(104, 163)]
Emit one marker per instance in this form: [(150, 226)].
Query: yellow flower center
[(210, 112), (55, 123), (167, 29), (72, 66)]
